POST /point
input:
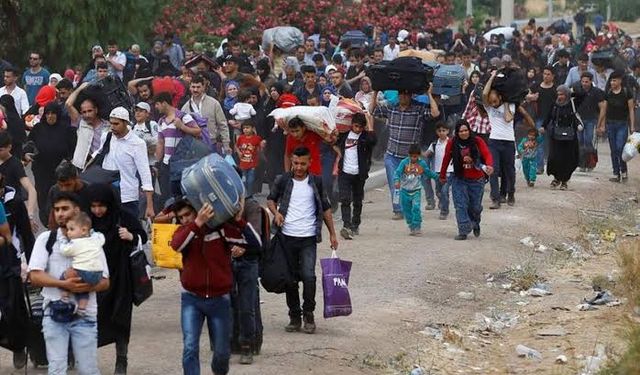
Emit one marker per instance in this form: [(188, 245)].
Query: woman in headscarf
[(275, 138), (54, 79), (562, 126), (50, 141), (328, 93), (122, 232), (165, 68), (365, 95), (15, 125), (472, 161)]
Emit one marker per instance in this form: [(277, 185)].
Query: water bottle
[(396, 196)]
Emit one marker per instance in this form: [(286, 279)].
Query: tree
[(65, 30)]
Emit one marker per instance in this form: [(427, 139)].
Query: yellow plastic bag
[(163, 254)]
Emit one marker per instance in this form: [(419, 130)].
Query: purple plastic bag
[(335, 283)]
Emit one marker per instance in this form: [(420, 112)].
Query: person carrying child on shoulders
[(408, 178)]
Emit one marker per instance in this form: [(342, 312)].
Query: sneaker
[(121, 366), (583, 170), (511, 200), (563, 186), (430, 206), (615, 179), (417, 232), (345, 233), (355, 231), (624, 177), (476, 232), (256, 347), (554, 184), (294, 324), (503, 200), (246, 356), (397, 216), (443, 216), (460, 237), (540, 171), (531, 184), (494, 205), (412, 232), (309, 323)]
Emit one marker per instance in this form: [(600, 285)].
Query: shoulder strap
[(53, 235), (107, 145), (147, 124)]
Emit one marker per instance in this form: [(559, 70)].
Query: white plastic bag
[(630, 149), (317, 119), (518, 164)]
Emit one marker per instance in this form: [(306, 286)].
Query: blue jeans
[(249, 178), (390, 165), (328, 156), (217, 311), (84, 341), (585, 140), (301, 255), (243, 299), (503, 153), (442, 192), (467, 200), (618, 132), (410, 201), (428, 190), (541, 147)]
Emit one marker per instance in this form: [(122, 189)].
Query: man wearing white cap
[(128, 155)]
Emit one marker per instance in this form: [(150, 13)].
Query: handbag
[(563, 133), (142, 285), (275, 272), (335, 286), (163, 254), (94, 173)]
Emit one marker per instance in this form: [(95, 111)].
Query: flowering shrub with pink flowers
[(246, 19)]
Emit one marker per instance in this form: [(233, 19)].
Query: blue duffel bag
[(448, 79), (212, 180)]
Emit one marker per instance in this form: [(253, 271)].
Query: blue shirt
[(3, 215), (33, 82)]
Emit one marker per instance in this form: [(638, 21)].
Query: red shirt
[(248, 146), (311, 141), (469, 171)]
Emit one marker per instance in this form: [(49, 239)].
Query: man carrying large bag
[(300, 205)]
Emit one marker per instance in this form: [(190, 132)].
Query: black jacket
[(365, 147)]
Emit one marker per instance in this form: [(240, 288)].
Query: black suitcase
[(404, 73), (511, 84), (357, 38)]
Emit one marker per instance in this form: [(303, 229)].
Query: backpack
[(265, 236), (202, 122)]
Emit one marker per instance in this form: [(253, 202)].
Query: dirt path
[(401, 284)]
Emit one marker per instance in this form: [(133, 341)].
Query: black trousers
[(351, 192)]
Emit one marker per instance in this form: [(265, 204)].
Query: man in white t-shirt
[(11, 88), (391, 50), (355, 147), (116, 59), (502, 143), (59, 324), (436, 152), (300, 205)]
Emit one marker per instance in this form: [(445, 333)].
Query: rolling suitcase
[(212, 180), (404, 73), (447, 80)]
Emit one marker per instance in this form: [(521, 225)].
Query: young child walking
[(527, 150), (248, 148), (408, 179), (435, 152), (85, 247)]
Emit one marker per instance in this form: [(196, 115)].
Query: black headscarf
[(165, 68), (53, 107), (461, 144), (15, 124), (107, 224)]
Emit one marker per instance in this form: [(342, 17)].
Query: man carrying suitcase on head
[(207, 279)]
